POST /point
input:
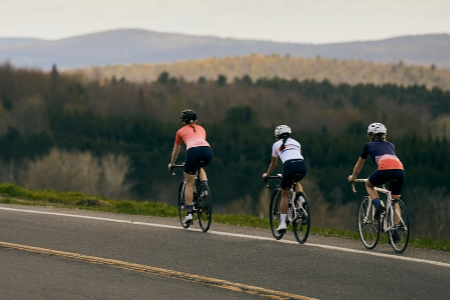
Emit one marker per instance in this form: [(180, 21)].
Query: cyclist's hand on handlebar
[(264, 177), (170, 166), (351, 178)]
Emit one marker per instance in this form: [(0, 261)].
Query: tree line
[(259, 66)]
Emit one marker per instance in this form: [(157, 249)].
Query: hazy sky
[(303, 21)]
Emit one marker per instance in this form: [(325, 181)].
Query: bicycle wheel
[(399, 229), (204, 206), (302, 223), (181, 204), (274, 214), (368, 226)]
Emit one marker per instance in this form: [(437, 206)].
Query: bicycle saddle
[(202, 163), (297, 177), (391, 183)]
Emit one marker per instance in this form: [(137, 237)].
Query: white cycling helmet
[(282, 129), (376, 128)]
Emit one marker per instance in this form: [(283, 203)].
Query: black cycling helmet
[(188, 115)]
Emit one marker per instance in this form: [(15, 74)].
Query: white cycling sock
[(283, 218)]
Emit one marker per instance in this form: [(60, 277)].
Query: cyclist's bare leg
[(298, 187), (203, 176), (189, 191), (371, 190), (398, 210), (284, 201)]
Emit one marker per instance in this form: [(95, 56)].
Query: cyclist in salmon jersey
[(289, 151), (197, 150), (390, 168)]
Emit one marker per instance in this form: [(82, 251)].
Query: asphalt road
[(323, 268)]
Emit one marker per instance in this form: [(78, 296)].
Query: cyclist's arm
[(272, 165), (358, 166), (175, 153)]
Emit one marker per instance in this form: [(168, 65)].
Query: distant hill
[(128, 46), (16, 41), (269, 66)]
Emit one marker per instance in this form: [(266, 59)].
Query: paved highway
[(49, 253)]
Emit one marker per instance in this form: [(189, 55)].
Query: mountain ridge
[(134, 46)]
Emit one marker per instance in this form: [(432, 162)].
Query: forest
[(113, 137)]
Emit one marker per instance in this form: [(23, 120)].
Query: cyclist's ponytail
[(284, 137), (378, 137), (192, 125)]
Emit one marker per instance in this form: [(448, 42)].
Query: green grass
[(12, 194)]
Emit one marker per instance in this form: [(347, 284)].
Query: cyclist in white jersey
[(289, 151)]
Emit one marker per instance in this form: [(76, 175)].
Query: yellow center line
[(224, 284)]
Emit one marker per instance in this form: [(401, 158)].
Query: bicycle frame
[(394, 221), (293, 192), (388, 224), (297, 214), (197, 178), (201, 201)]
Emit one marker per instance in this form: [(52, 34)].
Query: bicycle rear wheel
[(399, 232), (274, 214), (204, 206), (182, 204), (302, 223), (368, 227)]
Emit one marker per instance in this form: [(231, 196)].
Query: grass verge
[(12, 194)]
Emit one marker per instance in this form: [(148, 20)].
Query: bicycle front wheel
[(302, 223), (204, 206), (399, 229), (368, 226), (274, 214), (182, 204)]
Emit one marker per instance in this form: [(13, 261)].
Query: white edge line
[(411, 259)]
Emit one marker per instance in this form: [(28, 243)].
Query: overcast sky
[(299, 21)]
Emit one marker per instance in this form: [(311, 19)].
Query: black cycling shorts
[(194, 156), (380, 177), (292, 167)]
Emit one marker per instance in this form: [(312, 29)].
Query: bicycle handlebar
[(356, 180), (278, 176), (172, 171)]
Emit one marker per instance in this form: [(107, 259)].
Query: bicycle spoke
[(274, 214), (399, 232), (182, 205), (368, 226), (302, 223), (204, 205)]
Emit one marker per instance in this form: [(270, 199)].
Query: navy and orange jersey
[(383, 154)]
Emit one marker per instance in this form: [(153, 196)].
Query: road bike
[(202, 202), (394, 221), (298, 210)]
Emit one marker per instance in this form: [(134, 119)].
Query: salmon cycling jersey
[(192, 135)]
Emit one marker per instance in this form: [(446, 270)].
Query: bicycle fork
[(369, 216), (395, 218)]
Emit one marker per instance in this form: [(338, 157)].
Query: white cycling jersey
[(292, 150)]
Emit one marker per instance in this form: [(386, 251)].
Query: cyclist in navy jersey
[(289, 151), (390, 168)]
